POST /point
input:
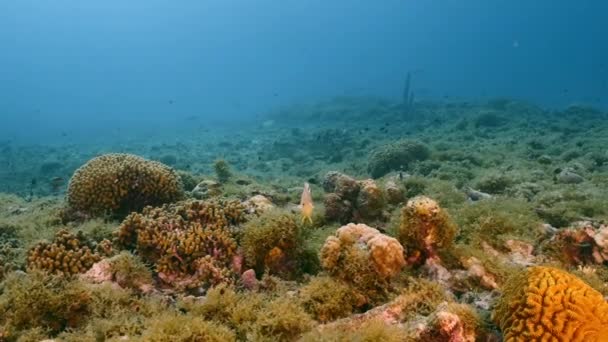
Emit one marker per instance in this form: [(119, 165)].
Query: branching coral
[(363, 257), (68, 254), (544, 303), (117, 184), (190, 243), (425, 229)]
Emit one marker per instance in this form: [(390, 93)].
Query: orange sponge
[(548, 304)]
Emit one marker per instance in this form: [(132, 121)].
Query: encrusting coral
[(68, 254), (363, 257), (425, 229), (545, 303), (117, 184), (190, 243)]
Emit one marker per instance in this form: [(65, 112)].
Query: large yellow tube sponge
[(548, 304), (117, 184)]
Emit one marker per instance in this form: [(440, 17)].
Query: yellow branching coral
[(190, 243), (68, 254), (425, 229), (363, 257), (548, 304), (117, 184)]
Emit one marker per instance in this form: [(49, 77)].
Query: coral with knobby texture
[(548, 304), (347, 200), (274, 243), (425, 229), (363, 257), (342, 185), (68, 254), (396, 156), (370, 200), (117, 184), (337, 208), (191, 243)]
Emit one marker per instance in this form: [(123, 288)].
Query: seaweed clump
[(41, 301), (222, 170), (426, 230), (274, 243), (364, 258), (117, 184), (396, 156), (257, 316), (328, 299), (191, 244), (68, 254)]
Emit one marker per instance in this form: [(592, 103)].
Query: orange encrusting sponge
[(548, 304)]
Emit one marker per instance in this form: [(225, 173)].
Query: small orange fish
[(306, 204)]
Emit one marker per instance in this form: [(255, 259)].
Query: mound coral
[(363, 257), (117, 184), (68, 254), (425, 229), (274, 242), (348, 200), (191, 243), (396, 156), (545, 303)]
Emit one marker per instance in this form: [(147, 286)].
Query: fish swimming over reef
[(306, 204)]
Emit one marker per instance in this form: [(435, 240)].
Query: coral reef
[(524, 185), (67, 254), (117, 184), (190, 243), (364, 258), (396, 156), (544, 303)]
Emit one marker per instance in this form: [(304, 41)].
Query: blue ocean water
[(91, 69)]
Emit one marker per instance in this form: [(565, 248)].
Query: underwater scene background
[(303, 170)]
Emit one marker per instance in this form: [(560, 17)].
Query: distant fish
[(306, 204)]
